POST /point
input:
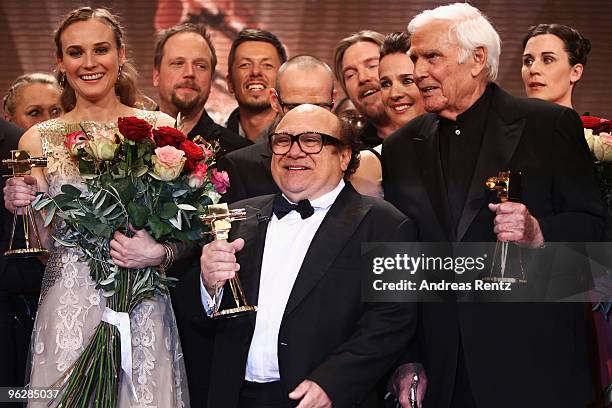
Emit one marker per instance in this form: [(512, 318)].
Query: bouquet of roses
[(598, 137), (135, 177)]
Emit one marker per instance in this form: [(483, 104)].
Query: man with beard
[(356, 68), (184, 65), (185, 62), (254, 58)]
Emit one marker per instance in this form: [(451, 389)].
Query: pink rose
[(220, 180), (74, 142), (168, 162), (103, 146), (197, 178)]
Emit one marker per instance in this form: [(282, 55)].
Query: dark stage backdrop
[(306, 27)]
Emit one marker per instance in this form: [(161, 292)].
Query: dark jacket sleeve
[(577, 202)]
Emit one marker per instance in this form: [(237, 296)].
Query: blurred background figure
[(400, 95), (554, 59), (31, 99)]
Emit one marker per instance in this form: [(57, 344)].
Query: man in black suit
[(185, 62), (19, 283), (434, 169), (302, 79), (312, 340), (184, 66)]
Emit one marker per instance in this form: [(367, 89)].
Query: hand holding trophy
[(21, 164), (220, 219), (507, 185)]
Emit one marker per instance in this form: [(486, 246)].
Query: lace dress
[(71, 307)]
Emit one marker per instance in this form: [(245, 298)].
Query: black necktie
[(282, 207)]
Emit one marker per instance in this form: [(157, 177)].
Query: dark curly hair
[(575, 44), (349, 135)]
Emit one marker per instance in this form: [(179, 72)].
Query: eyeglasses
[(309, 142), (286, 107)]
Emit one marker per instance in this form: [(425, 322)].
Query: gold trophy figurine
[(21, 164), (220, 219), (508, 187)]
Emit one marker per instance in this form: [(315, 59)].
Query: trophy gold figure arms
[(21, 163)]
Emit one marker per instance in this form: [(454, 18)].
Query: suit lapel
[(335, 231), (428, 157), (498, 145), (254, 235)]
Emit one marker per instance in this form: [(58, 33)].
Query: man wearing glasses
[(312, 340), (302, 79)]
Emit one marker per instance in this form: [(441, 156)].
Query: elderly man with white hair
[(434, 170)]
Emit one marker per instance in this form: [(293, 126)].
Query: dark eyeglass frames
[(309, 142)]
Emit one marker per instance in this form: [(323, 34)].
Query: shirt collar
[(327, 199)]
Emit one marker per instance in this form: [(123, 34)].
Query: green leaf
[(158, 227), (138, 214), (64, 243), (102, 230), (187, 207), (108, 293), (71, 191), (140, 171), (49, 216), (109, 280), (109, 209), (179, 193), (168, 210)]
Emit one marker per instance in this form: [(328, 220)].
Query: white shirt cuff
[(207, 301)]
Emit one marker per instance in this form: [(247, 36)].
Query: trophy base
[(505, 280), (235, 312), (26, 252)]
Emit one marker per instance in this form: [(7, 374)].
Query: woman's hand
[(136, 252), (19, 192)]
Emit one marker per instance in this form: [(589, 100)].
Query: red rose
[(590, 122), (168, 136), (134, 129), (193, 153)]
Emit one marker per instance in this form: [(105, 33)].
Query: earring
[(62, 81), (119, 73)]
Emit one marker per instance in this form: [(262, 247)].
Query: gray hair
[(471, 29)]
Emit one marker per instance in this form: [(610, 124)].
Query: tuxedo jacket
[(249, 172), (327, 334), (527, 355), (19, 282), (210, 131)]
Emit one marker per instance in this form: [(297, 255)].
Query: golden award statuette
[(507, 185), (21, 164), (220, 219)]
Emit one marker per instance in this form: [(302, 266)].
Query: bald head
[(308, 117), (303, 79)]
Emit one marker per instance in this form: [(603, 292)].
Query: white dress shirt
[(287, 241)]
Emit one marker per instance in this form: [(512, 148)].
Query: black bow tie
[(282, 207)]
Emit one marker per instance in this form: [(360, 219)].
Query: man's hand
[(311, 395), (19, 192), (218, 263), (139, 251), (402, 381), (514, 223)]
